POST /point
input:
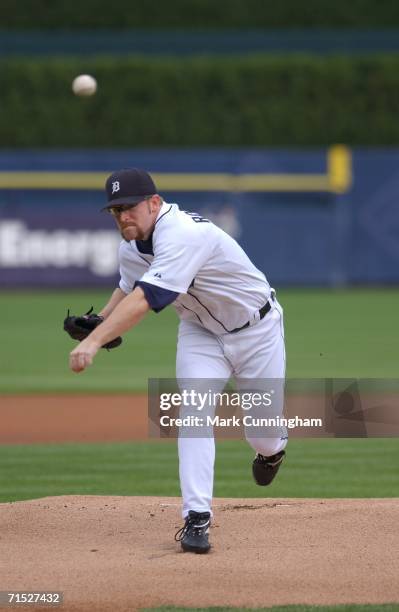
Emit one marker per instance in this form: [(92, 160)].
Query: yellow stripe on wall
[(338, 179), (339, 168)]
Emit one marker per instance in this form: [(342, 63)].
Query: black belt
[(262, 313)]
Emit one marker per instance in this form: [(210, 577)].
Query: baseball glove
[(80, 327)]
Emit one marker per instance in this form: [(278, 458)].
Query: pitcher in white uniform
[(231, 324)]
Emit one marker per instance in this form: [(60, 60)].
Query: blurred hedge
[(122, 14), (257, 100)]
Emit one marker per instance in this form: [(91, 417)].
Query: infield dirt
[(118, 553)]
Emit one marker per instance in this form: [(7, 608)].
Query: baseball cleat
[(193, 536), (264, 469)]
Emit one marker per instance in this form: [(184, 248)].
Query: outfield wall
[(299, 221)]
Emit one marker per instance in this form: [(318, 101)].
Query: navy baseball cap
[(128, 186)]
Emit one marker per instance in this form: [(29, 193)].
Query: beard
[(131, 232)]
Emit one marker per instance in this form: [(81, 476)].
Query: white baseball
[(84, 85)]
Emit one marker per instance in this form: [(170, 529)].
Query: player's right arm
[(117, 296), (127, 314)]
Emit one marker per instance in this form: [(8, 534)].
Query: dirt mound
[(118, 553)]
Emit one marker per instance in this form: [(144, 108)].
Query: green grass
[(345, 608), (329, 333), (36, 357), (313, 468), (342, 333)]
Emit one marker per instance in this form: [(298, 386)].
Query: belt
[(262, 313)]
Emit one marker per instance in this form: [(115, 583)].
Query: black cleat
[(264, 469), (193, 536)]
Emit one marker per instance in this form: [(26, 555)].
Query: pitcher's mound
[(118, 553)]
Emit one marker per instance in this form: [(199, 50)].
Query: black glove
[(80, 327)]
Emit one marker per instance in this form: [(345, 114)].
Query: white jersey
[(219, 287)]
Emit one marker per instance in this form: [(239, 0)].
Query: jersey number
[(196, 217)]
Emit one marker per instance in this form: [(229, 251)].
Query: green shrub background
[(43, 14), (204, 101)]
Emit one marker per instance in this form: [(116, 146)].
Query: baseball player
[(231, 324)]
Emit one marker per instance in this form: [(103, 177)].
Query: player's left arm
[(129, 311)]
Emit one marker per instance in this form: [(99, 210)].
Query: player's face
[(137, 222)]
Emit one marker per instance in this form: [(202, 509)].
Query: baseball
[(84, 85)]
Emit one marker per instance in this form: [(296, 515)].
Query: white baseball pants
[(256, 352)]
